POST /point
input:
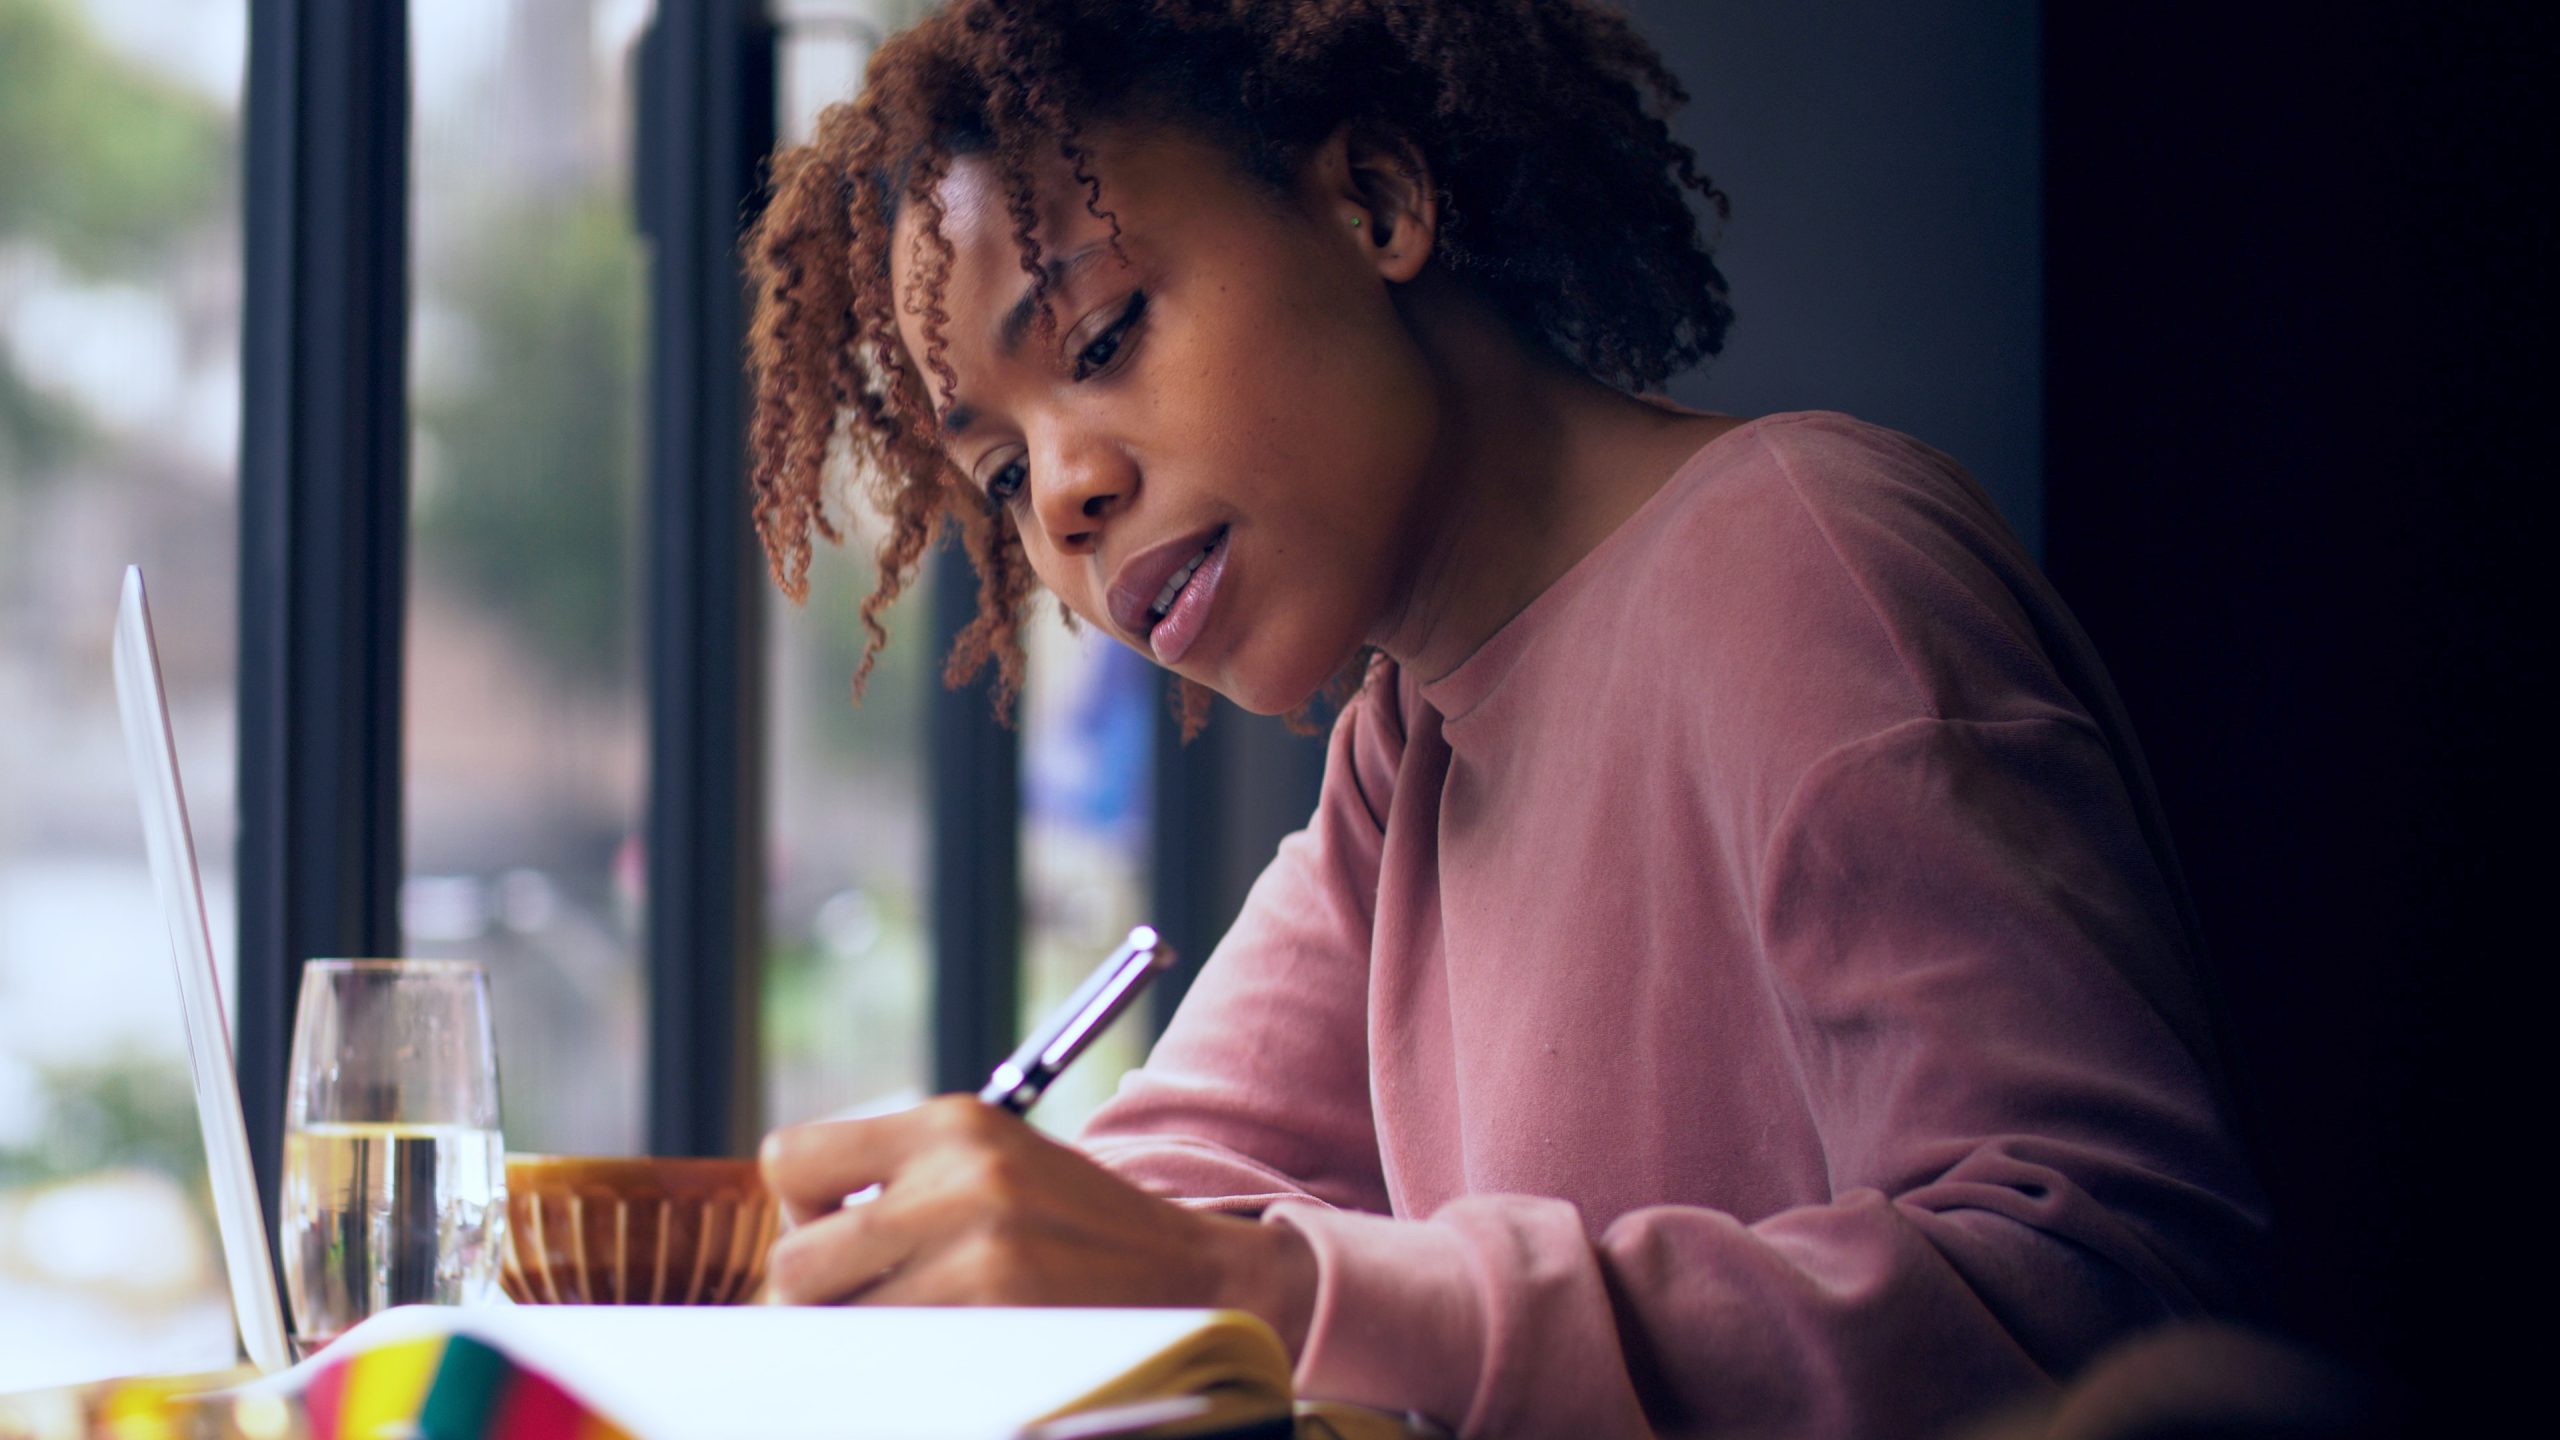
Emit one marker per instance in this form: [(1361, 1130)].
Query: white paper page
[(789, 1373)]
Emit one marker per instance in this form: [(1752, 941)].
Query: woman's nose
[(1086, 483)]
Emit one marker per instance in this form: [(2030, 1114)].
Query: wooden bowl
[(592, 1230)]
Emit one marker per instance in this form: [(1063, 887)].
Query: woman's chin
[(1271, 685), (1264, 705), (1259, 698)]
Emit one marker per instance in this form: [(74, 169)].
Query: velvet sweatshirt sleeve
[(2013, 1149), (1258, 1089), (1751, 995)]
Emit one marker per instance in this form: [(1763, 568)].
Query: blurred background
[(523, 713), (120, 285), (524, 723), (2230, 310)]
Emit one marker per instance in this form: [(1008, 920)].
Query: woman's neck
[(1536, 464)]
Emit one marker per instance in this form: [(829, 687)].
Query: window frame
[(704, 124), (324, 500)]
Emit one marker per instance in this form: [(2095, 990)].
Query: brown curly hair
[(1542, 123)]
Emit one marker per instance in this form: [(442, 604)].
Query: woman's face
[(1235, 417)]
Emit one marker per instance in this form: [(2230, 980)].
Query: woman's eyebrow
[(1018, 319)]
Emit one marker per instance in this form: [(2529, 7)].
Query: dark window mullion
[(323, 513), (973, 810), (1184, 855), (705, 127)]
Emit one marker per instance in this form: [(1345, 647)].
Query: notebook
[(677, 1373), (669, 1373)]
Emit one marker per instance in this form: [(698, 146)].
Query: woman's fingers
[(950, 1187), (812, 1168), (789, 1158), (967, 1273), (837, 1256), (977, 1208)]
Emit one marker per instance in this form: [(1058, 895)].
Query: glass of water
[(394, 1172)]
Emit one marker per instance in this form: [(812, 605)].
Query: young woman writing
[(1734, 978)]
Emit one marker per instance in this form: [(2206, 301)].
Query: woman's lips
[(1173, 636), (1142, 579)]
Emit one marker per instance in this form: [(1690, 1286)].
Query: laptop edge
[(151, 747)]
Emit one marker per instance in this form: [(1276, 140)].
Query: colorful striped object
[(444, 1388)]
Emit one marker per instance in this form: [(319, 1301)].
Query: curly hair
[(1543, 124)]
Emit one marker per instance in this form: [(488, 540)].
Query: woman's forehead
[(1142, 175), (986, 266)]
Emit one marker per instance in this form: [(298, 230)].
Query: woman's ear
[(1377, 186)]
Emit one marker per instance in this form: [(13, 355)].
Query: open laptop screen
[(150, 746)]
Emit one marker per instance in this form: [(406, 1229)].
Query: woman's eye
[(1006, 485), (1093, 359)]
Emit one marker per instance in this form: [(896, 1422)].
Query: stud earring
[(1355, 222)]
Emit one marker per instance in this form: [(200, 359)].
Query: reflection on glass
[(119, 425), (525, 720), (1089, 709), (394, 1186)]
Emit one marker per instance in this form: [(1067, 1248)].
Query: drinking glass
[(394, 1171)]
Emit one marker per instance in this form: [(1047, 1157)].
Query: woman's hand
[(977, 1208)]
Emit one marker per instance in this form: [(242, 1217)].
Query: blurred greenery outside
[(106, 171), (126, 1109), (103, 168), (37, 434), (526, 487), (105, 161), (522, 488)]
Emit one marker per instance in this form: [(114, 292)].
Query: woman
[(1734, 978)]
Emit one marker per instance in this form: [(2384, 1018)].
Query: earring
[(1355, 222)]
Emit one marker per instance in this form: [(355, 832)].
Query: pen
[(1019, 1081)]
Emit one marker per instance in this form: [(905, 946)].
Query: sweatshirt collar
[(1466, 688)]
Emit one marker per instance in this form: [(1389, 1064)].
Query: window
[(525, 724), (848, 971), (1088, 715), (119, 430), (460, 382)]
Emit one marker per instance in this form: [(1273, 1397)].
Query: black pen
[(1017, 1083)]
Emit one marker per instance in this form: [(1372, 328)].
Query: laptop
[(151, 747)]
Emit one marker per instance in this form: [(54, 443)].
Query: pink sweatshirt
[(1752, 995)]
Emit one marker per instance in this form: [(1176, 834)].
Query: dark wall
[(2294, 379), (1885, 250)]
